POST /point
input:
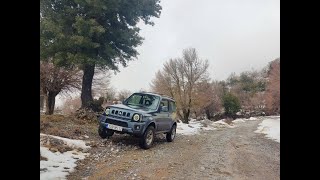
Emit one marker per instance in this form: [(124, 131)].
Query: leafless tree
[(123, 94), (71, 105), (101, 83), (54, 80), (179, 78)]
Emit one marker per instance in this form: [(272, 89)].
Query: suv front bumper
[(134, 128)]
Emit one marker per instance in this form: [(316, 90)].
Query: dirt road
[(227, 153)]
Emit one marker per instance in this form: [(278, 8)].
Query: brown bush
[(44, 125)]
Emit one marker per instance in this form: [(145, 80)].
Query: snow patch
[(222, 124), (270, 127), (194, 127), (238, 121), (188, 129), (59, 165), (70, 142), (252, 119)]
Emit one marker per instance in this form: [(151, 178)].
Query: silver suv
[(143, 115)]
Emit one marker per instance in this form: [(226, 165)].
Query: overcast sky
[(234, 35)]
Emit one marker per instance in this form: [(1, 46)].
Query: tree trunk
[(86, 91), (186, 115), (51, 99), (208, 114)]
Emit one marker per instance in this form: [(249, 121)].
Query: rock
[(202, 168), (135, 175), (66, 168), (55, 166), (85, 136), (53, 149), (67, 148), (85, 150), (43, 169), (190, 126)]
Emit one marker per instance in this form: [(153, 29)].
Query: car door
[(163, 116), (172, 113)]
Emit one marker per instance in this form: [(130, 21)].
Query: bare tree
[(210, 98), (71, 105), (123, 94), (101, 82), (54, 80), (179, 78), (110, 95)]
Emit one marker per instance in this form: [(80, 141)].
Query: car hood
[(138, 110)]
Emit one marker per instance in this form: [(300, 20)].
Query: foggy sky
[(234, 35)]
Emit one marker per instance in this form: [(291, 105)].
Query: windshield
[(146, 101)]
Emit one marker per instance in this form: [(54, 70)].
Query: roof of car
[(156, 94)]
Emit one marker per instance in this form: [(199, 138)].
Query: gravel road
[(226, 153)]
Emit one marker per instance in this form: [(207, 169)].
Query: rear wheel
[(104, 132), (172, 134), (147, 138)]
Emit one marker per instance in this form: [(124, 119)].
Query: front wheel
[(104, 132), (147, 138), (172, 134)]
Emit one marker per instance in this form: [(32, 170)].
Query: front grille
[(120, 113), (118, 123)]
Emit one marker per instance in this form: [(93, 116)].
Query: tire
[(147, 138), (172, 134), (104, 132)]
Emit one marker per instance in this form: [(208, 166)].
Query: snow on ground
[(238, 121), (194, 126), (221, 124), (271, 127), (59, 165), (70, 142), (188, 129)]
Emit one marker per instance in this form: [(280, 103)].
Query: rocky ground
[(223, 153)]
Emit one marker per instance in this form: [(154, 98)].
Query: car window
[(172, 106), (146, 101), (135, 99), (164, 105)]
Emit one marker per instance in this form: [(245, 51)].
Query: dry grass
[(52, 118), (68, 126)]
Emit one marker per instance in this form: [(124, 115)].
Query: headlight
[(136, 117), (107, 111)]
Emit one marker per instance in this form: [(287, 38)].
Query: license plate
[(114, 127)]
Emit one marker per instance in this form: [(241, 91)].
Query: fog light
[(137, 127)]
